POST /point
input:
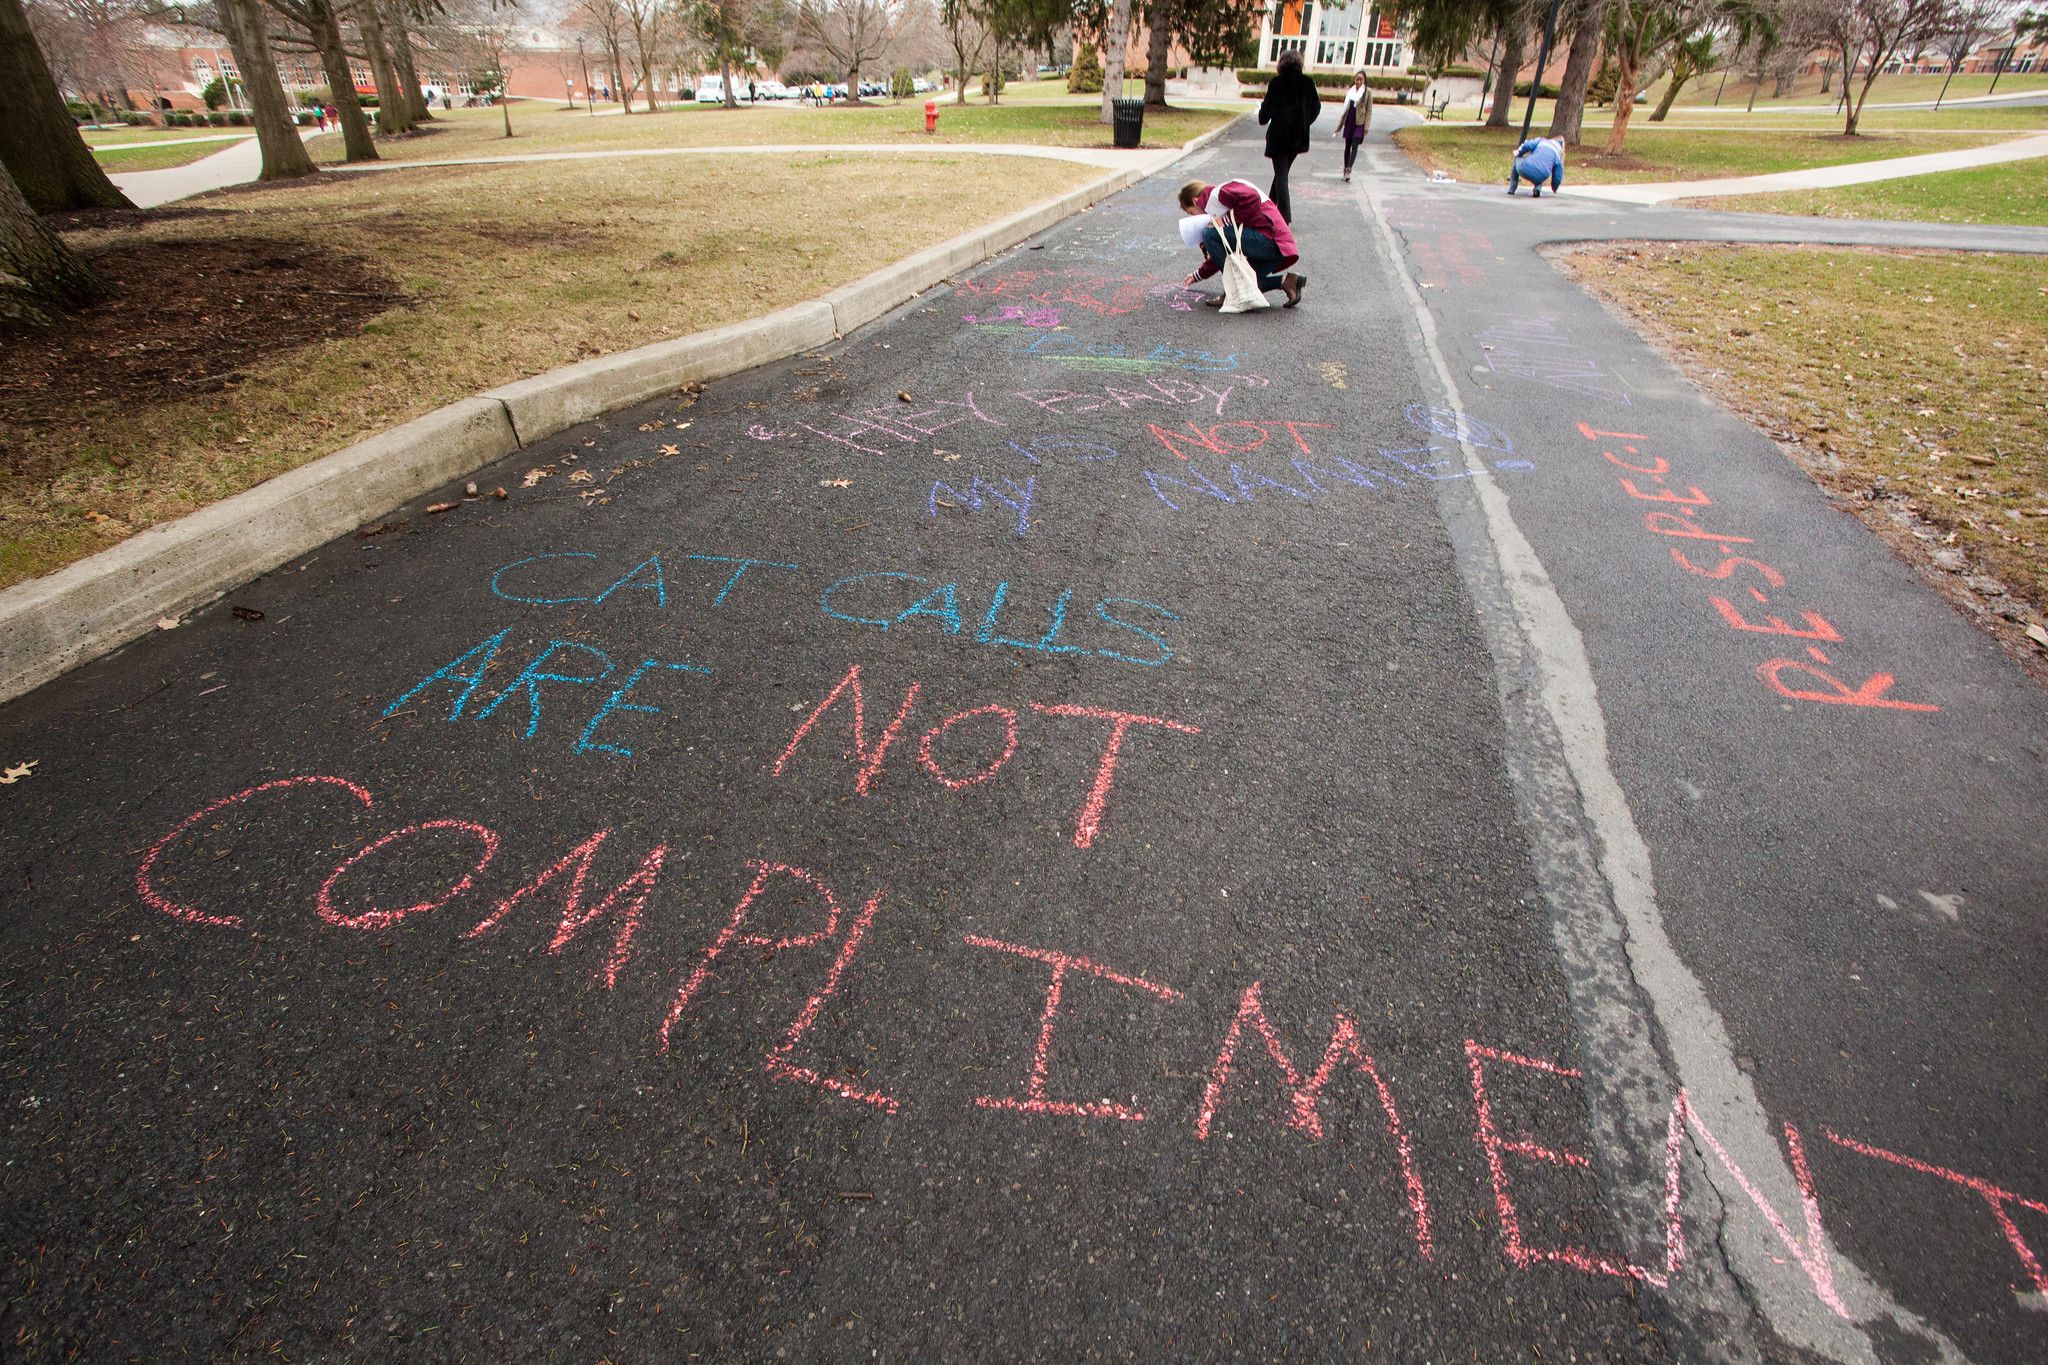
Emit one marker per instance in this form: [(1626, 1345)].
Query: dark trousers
[(1350, 154), (1258, 249), (1278, 194)]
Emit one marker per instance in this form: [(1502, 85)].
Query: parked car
[(873, 89), (772, 90), (711, 90), (921, 85)]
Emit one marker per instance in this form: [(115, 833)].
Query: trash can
[(1128, 117)]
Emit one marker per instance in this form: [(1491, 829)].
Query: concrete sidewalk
[(1819, 177), (236, 165)]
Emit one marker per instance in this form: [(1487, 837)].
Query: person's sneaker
[(1511, 191), (1538, 191), (1290, 285)]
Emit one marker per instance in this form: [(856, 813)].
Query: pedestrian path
[(236, 165), (1819, 177), (170, 142)]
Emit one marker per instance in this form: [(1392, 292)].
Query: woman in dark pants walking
[(1291, 105), (1355, 120)]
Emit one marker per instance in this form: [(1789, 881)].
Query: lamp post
[(1542, 60), (2003, 58)]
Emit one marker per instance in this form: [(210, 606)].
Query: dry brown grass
[(1911, 384), (508, 271)]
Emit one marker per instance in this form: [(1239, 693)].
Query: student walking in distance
[(1537, 160), (1268, 241), (1355, 120), (1291, 105)]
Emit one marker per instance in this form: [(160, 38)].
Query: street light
[(2003, 58), (1536, 81)]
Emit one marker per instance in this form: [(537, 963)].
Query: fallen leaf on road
[(20, 770), (534, 476), (835, 483), (902, 397), (167, 623), (581, 476), (500, 494), (469, 490), (247, 614), (671, 450), (438, 507), (946, 454)]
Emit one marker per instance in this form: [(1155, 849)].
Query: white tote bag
[(1241, 292)]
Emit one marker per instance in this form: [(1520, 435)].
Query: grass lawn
[(1905, 378), (149, 157), (2013, 193), (1480, 155), (547, 128), (1886, 89), (135, 137), (1730, 118), (212, 373)]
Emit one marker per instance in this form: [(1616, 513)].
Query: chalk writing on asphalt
[(1089, 291), (454, 877), (1538, 349), (1680, 518)]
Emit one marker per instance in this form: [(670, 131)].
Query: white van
[(711, 90)]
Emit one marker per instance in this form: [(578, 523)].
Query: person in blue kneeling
[(1537, 160)]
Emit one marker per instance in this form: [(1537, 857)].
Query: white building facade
[(1351, 37)]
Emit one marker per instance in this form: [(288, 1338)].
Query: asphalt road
[(1063, 825)]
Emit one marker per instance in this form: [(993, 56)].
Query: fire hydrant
[(931, 114)]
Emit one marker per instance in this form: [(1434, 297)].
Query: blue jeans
[(1258, 249), (1531, 170)]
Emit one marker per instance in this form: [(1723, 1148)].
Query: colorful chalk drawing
[(1540, 350), (546, 896), (1792, 678), (1065, 348), (1092, 291), (1446, 252)]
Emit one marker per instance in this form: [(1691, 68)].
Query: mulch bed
[(185, 317)]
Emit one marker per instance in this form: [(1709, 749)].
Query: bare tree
[(1568, 117), (322, 23), (245, 24), (39, 145), (604, 23), (39, 275), (853, 33), (1970, 22), (1869, 33), (647, 21)]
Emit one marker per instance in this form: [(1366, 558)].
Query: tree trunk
[(401, 56), (39, 145), (341, 82), (39, 276), (732, 98), (1115, 41), (995, 72), (1679, 77), (1624, 100), (1510, 67), (1569, 116), (504, 99), (394, 110), (284, 151), (1158, 46)]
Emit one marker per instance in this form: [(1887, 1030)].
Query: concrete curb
[(52, 624)]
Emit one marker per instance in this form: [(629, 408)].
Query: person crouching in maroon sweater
[(1268, 241)]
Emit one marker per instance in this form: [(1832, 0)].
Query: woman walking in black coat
[(1291, 105)]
